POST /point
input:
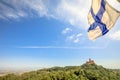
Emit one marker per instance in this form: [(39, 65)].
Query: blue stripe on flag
[(98, 18)]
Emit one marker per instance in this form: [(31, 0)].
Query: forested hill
[(83, 72)]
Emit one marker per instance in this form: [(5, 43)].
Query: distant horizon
[(39, 67)]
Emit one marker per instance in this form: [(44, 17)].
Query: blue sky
[(41, 33)]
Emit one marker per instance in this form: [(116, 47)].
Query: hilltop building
[(90, 61)]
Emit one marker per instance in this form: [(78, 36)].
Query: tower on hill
[(90, 61)]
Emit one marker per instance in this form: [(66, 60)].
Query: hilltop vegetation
[(83, 72)]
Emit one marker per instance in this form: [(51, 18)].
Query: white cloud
[(66, 30), (75, 38), (62, 47), (71, 37), (78, 35), (74, 12), (38, 6), (114, 35), (13, 9)]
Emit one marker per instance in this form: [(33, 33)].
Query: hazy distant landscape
[(87, 71), (14, 71)]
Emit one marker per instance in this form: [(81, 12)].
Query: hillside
[(84, 72)]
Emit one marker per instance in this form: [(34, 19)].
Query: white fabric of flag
[(101, 18)]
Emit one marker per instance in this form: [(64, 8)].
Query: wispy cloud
[(114, 35), (62, 47), (13, 9), (74, 12), (75, 38), (66, 30)]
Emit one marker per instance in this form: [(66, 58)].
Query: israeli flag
[(101, 18)]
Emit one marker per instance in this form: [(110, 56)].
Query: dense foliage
[(84, 72)]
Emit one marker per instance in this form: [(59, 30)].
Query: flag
[(101, 18)]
